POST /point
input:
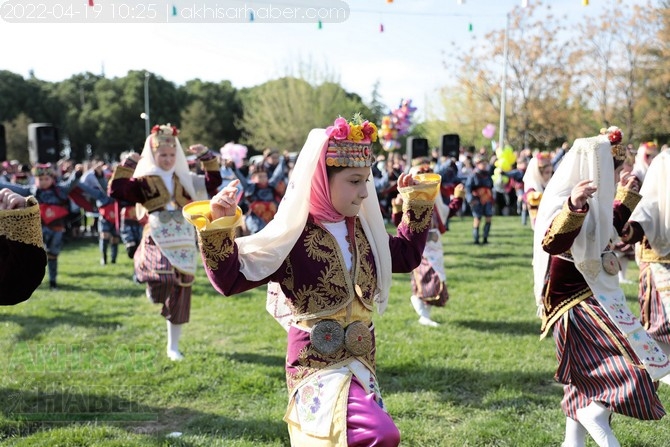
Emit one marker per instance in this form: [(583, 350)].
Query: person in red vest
[(108, 224)]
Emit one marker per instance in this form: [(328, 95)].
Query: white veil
[(653, 211), (262, 253)]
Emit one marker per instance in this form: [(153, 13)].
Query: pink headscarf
[(320, 205)]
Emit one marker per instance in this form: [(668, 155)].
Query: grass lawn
[(85, 365)]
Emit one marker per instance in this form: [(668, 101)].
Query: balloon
[(397, 123), (489, 131), (235, 152), (505, 158)]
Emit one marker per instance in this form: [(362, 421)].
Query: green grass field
[(85, 365)]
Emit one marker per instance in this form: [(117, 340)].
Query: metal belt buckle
[(327, 336), (610, 263), (357, 338)]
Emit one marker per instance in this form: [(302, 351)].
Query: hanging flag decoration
[(470, 26), (90, 3), (320, 24), (585, 2), (251, 16), (174, 10), (381, 27)]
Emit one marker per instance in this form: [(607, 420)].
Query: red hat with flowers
[(350, 142)]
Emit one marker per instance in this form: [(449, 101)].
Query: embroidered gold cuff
[(629, 198), (216, 246), (122, 172), (211, 165), (459, 191), (422, 211), (565, 222), (650, 255), (23, 225)]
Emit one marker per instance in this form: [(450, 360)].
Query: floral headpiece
[(43, 169), (615, 136), (649, 147), (164, 135), (543, 160), (349, 143)]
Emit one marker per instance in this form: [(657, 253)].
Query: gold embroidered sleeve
[(628, 198), (211, 165), (216, 246), (122, 172), (23, 225), (417, 214), (565, 222), (418, 201)]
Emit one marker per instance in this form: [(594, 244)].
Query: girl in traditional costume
[(330, 261), (650, 226), (606, 361), (537, 176), (429, 280), (160, 183)]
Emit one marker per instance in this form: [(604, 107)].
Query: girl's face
[(44, 181), (348, 188), (166, 157)]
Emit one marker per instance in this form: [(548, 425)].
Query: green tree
[(210, 113), (76, 96), (16, 132), (280, 113)]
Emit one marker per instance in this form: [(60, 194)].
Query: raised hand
[(582, 191), (630, 182), (224, 203)]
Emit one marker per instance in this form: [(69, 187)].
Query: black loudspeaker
[(43, 143), (3, 144), (451, 145), (417, 148)]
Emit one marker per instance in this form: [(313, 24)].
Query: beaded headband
[(43, 169), (350, 143), (164, 135)]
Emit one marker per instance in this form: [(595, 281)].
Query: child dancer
[(606, 361), (650, 226), (161, 184), (328, 251), (429, 279)]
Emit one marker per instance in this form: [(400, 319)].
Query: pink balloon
[(489, 131)]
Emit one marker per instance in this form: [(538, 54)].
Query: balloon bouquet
[(505, 159), (395, 125)]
